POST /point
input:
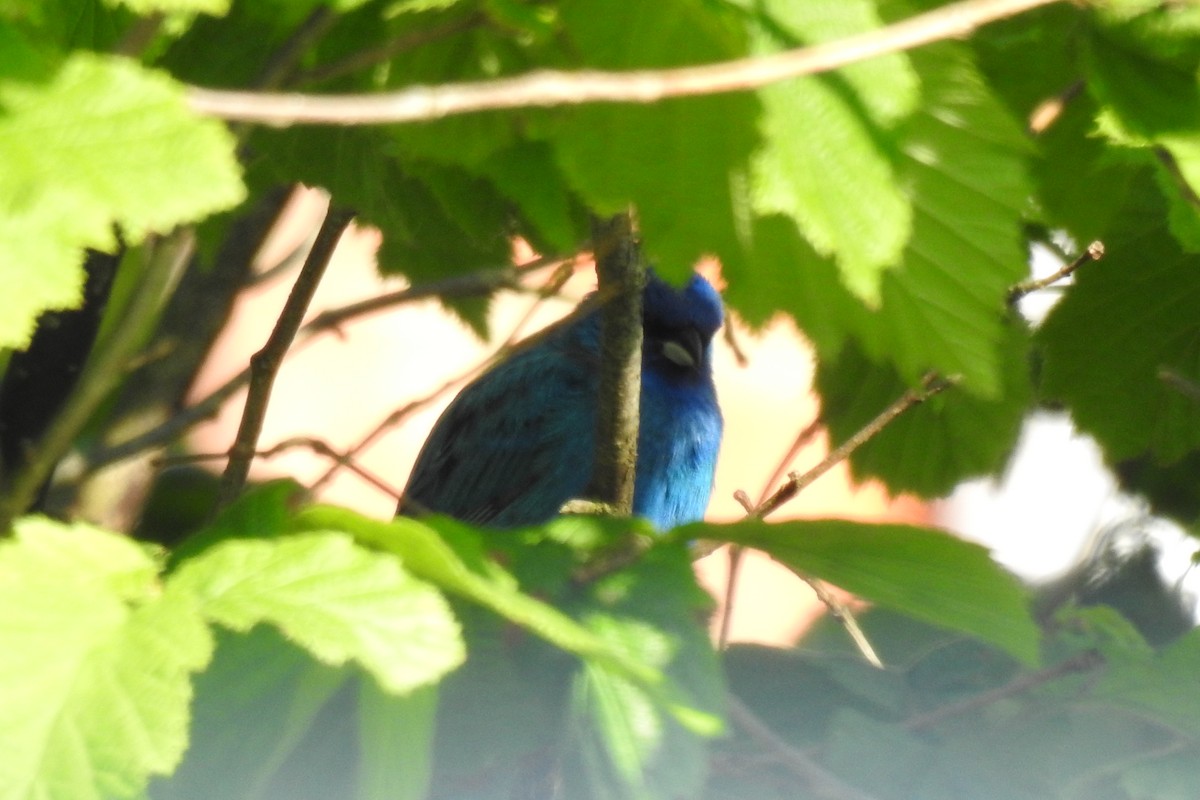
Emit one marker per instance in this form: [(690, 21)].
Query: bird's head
[(679, 324)]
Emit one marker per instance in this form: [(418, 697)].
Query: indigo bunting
[(519, 441)]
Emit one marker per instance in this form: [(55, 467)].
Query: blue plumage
[(519, 441)]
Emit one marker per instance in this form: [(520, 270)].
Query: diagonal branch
[(264, 365), (552, 88), (797, 482)]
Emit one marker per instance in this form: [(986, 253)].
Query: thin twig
[(736, 554), (842, 613), (1185, 386), (621, 272), (104, 370), (806, 435), (820, 782), (1181, 182), (264, 365), (1094, 252), (731, 339), (478, 283), (362, 59), (1048, 111), (318, 446), (455, 286), (1083, 662), (931, 385), (839, 610), (550, 88), (280, 68), (399, 415)]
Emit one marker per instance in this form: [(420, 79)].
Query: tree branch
[(798, 482), (1094, 252), (820, 781), (551, 88), (264, 365), (621, 275), (483, 282), (104, 370)]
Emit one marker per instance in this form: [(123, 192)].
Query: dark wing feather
[(515, 444)]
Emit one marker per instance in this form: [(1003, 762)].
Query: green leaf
[(836, 180), (94, 666), (339, 601), (883, 759), (254, 706), (396, 735), (214, 7), (925, 573), (1159, 687), (527, 175), (962, 165), (1151, 99), (451, 556), (652, 610), (104, 143), (935, 445), (262, 512), (1108, 373), (426, 230), (677, 161)]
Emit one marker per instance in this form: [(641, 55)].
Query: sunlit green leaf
[(336, 600), (105, 143), (927, 574), (94, 665)]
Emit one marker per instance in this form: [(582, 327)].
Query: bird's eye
[(676, 353)]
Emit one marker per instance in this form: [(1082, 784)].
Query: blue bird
[(519, 441)]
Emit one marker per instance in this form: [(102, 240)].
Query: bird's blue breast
[(679, 436)]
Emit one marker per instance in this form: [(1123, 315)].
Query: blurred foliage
[(888, 208)]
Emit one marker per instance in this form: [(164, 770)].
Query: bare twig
[(399, 415), (462, 286), (1048, 111), (1083, 662), (104, 370), (842, 613), (839, 610), (622, 274), (318, 446), (264, 365), (454, 286), (820, 782), (549, 88), (1185, 386), (806, 435), (280, 68), (798, 482), (1094, 252), (1180, 181), (731, 339), (362, 59)]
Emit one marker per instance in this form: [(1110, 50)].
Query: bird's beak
[(685, 348)]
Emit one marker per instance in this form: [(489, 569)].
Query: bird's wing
[(514, 445)]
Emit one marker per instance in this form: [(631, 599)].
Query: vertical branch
[(264, 365), (105, 368), (620, 271)]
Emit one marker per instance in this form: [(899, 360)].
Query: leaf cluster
[(888, 208)]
